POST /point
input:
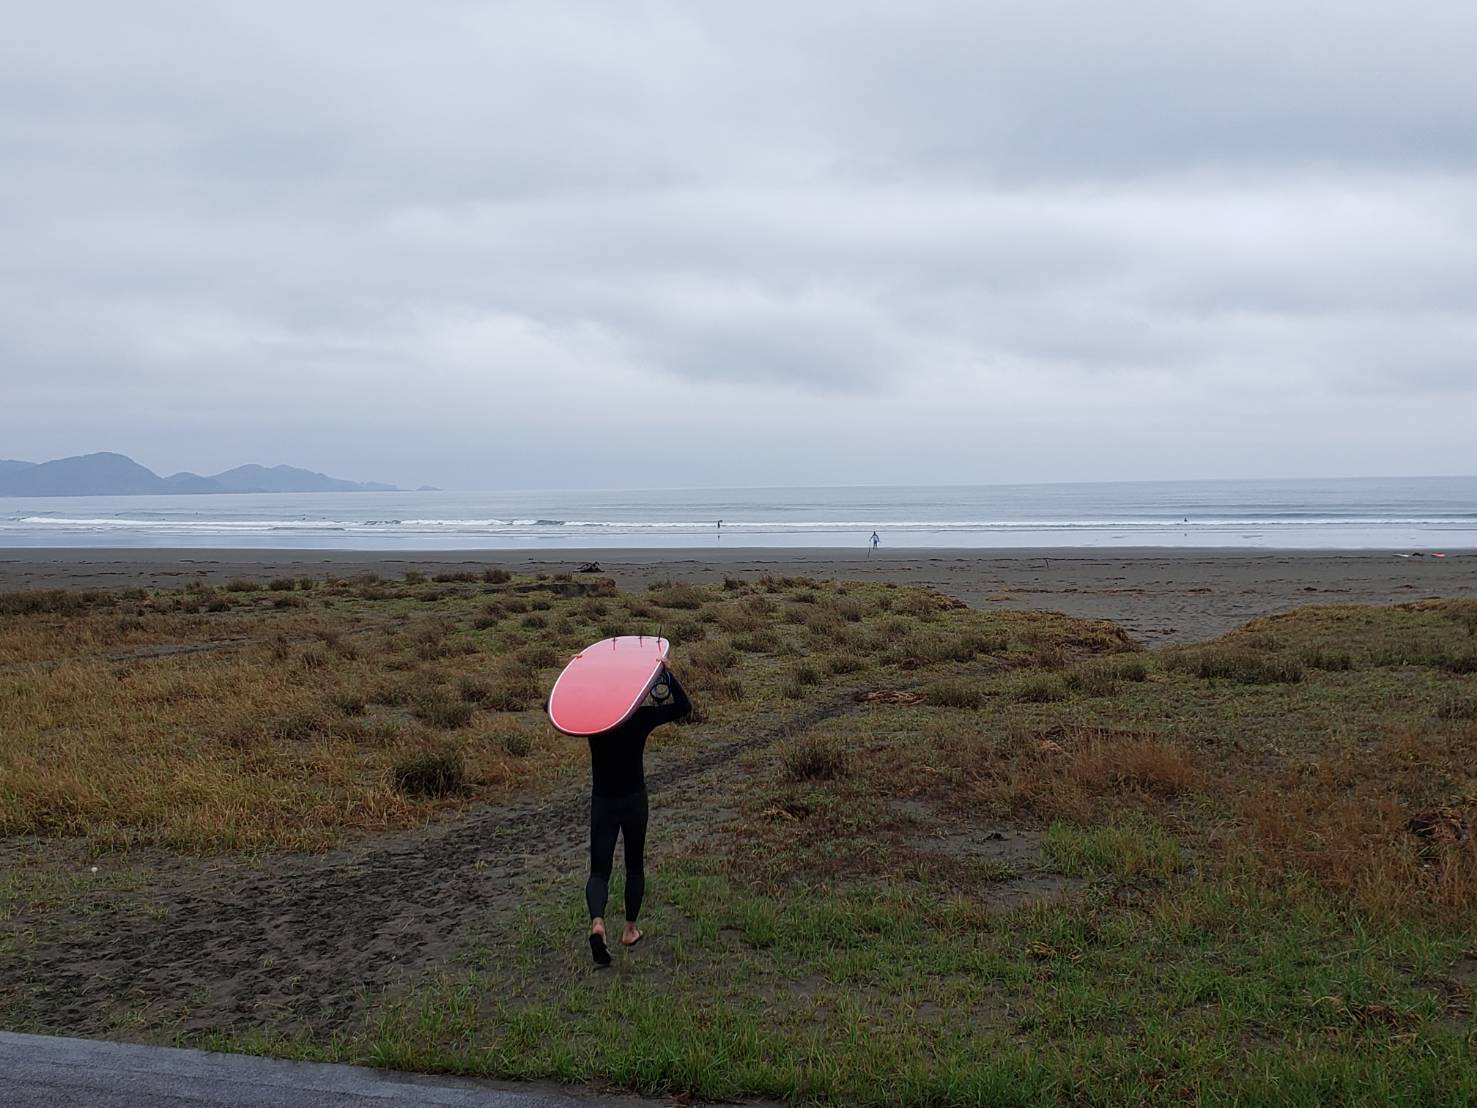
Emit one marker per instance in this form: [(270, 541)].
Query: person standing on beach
[(618, 808), (875, 541)]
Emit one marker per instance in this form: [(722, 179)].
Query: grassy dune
[(981, 858), (274, 716)]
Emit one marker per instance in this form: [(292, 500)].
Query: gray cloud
[(479, 245)]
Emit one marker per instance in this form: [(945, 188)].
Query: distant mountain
[(252, 478), (107, 474), (86, 475), (191, 482)]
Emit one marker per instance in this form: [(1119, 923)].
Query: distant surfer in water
[(618, 807)]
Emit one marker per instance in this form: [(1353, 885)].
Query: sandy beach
[(1157, 595)]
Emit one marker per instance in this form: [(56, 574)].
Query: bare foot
[(631, 935)]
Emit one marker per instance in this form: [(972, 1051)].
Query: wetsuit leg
[(633, 831), (605, 824)]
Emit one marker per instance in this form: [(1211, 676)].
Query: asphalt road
[(42, 1072)]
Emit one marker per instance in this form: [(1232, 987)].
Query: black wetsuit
[(618, 799)]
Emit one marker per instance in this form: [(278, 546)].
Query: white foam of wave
[(485, 526)]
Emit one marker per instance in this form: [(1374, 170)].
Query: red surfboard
[(605, 683)]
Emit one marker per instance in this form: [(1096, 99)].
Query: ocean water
[(1434, 513)]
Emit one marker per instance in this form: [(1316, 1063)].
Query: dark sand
[(1158, 595)]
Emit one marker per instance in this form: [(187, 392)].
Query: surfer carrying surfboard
[(618, 806), (614, 694)]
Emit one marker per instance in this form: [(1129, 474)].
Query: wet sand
[(1158, 595)]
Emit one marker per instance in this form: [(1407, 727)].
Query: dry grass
[(1377, 823), (1307, 743), (677, 594), (1081, 774), (815, 758), (138, 720), (1328, 744), (154, 717)]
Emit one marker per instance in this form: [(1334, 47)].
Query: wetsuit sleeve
[(677, 707)]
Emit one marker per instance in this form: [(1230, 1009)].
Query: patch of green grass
[(956, 693), (432, 773), (1331, 659), (886, 996), (676, 594), (1039, 688), (1093, 679), (1460, 662), (815, 758), (729, 688), (843, 662), (762, 642), (931, 646), (1457, 705), (518, 741), (440, 710), (1243, 665), (1128, 850)]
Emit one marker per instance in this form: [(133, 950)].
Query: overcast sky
[(494, 245)]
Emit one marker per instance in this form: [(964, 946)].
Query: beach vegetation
[(815, 758), (431, 773), (350, 702), (677, 594), (35, 602), (987, 857), (1126, 849), (1328, 658), (1092, 679), (1460, 662), (844, 662), (956, 693), (518, 741), (1238, 663), (741, 618), (757, 642), (514, 688), (1039, 688)]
